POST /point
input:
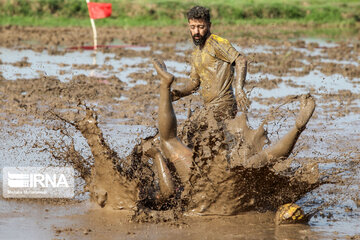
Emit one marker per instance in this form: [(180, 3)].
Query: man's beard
[(201, 40)]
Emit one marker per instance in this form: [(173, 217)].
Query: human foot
[(165, 77), (307, 107), (100, 196), (88, 125)]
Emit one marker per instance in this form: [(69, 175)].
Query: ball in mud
[(289, 213)]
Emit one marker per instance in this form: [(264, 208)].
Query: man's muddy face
[(199, 30)]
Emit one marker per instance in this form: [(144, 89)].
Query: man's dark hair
[(199, 12)]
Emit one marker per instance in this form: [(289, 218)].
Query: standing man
[(212, 68)]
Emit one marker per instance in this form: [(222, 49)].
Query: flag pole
[(94, 30)]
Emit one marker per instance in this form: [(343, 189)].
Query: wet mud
[(222, 182), (324, 158)]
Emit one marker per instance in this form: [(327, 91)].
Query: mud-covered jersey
[(213, 67)]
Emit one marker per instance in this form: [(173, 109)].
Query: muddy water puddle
[(331, 138), (64, 67)]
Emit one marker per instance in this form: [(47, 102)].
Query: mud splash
[(221, 182)]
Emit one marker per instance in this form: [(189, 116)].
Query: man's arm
[(241, 70), (188, 89)]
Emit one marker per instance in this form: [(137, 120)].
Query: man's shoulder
[(217, 40), (221, 48)]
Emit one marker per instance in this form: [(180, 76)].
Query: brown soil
[(47, 98)]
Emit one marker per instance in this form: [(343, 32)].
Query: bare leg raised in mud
[(283, 148), (181, 156), (173, 149)]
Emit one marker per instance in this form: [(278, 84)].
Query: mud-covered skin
[(223, 174), (214, 176), (171, 146)]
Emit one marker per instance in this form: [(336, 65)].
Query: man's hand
[(189, 88), (242, 100), (175, 95)]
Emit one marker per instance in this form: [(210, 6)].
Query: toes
[(303, 100), (310, 102), (156, 63), (307, 107), (101, 197), (159, 64), (307, 101)]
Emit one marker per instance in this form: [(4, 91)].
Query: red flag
[(99, 10)]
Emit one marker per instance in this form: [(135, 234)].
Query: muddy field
[(44, 73)]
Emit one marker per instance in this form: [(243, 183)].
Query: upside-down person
[(181, 156)]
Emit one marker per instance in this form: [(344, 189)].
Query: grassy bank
[(337, 14)]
